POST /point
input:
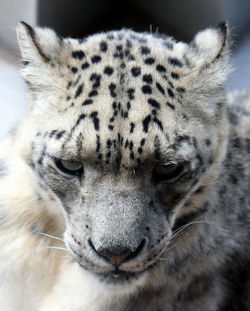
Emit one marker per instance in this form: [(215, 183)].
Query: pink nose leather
[(115, 260)]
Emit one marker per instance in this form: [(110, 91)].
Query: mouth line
[(121, 276)]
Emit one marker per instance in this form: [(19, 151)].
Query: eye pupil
[(69, 167), (166, 169), (167, 172)]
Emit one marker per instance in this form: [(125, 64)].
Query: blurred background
[(78, 18)]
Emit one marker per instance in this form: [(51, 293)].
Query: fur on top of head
[(204, 60)]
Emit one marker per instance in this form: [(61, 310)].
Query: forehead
[(121, 91)]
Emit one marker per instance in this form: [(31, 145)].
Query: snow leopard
[(125, 186)]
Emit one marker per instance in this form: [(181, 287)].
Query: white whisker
[(180, 231), (60, 248), (50, 236)]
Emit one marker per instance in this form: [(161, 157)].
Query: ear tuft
[(212, 43), (37, 45)]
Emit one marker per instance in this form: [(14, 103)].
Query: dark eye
[(69, 167), (167, 172)]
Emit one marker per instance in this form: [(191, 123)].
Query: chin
[(121, 283)]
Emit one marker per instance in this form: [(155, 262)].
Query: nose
[(117, 255)]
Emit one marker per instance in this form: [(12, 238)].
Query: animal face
[(131, 125)]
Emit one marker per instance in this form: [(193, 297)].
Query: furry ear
[(208, 57), (211, 44), (38, 45), (41, 50)]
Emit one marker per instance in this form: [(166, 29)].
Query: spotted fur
[(157, 216)]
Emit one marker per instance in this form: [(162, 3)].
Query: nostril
[(117, 255), (91, 244), (137, 251)]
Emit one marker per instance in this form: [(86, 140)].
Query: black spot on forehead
[(93, 93), (78, 54), (96, 59), (161, 68), (146, 89), (108, 70), (149, 61), (103, 46), (136, 71), (85, 66), (145, 50), (87, 102), (74, 69), (147, 78)]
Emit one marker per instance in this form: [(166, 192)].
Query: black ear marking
[(32, 34), (223, 28)]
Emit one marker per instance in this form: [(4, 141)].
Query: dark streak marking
[(79, 90), (131, 94), (175, 75), (98, 144), (80, 118), (87, 102), (142, 142), (33, 36), (93, 93), (132, 127), (170, 93), (154, 103), (180, 89), (60, 134), (95, 119), (145, 123), (160, 88), (175, 62), (112, 88), (170, 105), (158, 122)]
